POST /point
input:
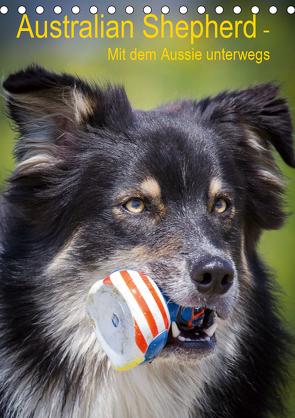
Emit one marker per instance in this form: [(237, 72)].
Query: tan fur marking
[(72, 103), (271, 177), (215, 187), (264, 160), (247, 275), (82, 106), (263, 156), (255, 141), (36, 161), (151, 187), (146, 253), (59, 262)]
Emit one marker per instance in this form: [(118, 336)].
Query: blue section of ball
[(186, 313), (155, 347), (182, 314), (172, 307), (115, 320)]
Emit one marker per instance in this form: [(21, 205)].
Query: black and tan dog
[(181, 193)]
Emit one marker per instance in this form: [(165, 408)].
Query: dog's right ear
[(59, 118), (49, 108)]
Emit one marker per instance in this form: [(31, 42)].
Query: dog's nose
[(213, 276)]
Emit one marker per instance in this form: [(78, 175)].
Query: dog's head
[(181, 193)]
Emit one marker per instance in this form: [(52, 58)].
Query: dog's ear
[(266, 122), (268, 118), (48, 109), (252, 122), (59, 119), (264, 116)]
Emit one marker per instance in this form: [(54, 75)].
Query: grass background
[(150, 83)]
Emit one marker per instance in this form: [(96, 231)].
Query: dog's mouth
[(198, 331)]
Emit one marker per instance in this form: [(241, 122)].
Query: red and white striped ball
[(129, 316)]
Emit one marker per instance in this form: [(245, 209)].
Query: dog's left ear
[(252, 122), (264, 116)]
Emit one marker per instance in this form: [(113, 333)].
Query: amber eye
[(220, 206), (135, 206)]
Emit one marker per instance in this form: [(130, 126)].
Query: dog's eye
[(135, 206), (220, 206)]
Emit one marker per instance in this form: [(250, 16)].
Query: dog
[(181, 193)]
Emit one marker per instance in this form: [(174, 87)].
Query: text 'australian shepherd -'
[(181, 193)]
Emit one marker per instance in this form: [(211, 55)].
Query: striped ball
[(130, 318)]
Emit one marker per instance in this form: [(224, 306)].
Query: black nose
[(213, 276)]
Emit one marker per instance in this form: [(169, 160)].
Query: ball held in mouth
[(130, 318)]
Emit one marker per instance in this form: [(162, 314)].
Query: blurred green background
[(150, 83)]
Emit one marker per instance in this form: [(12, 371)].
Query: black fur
[(95, 146)]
